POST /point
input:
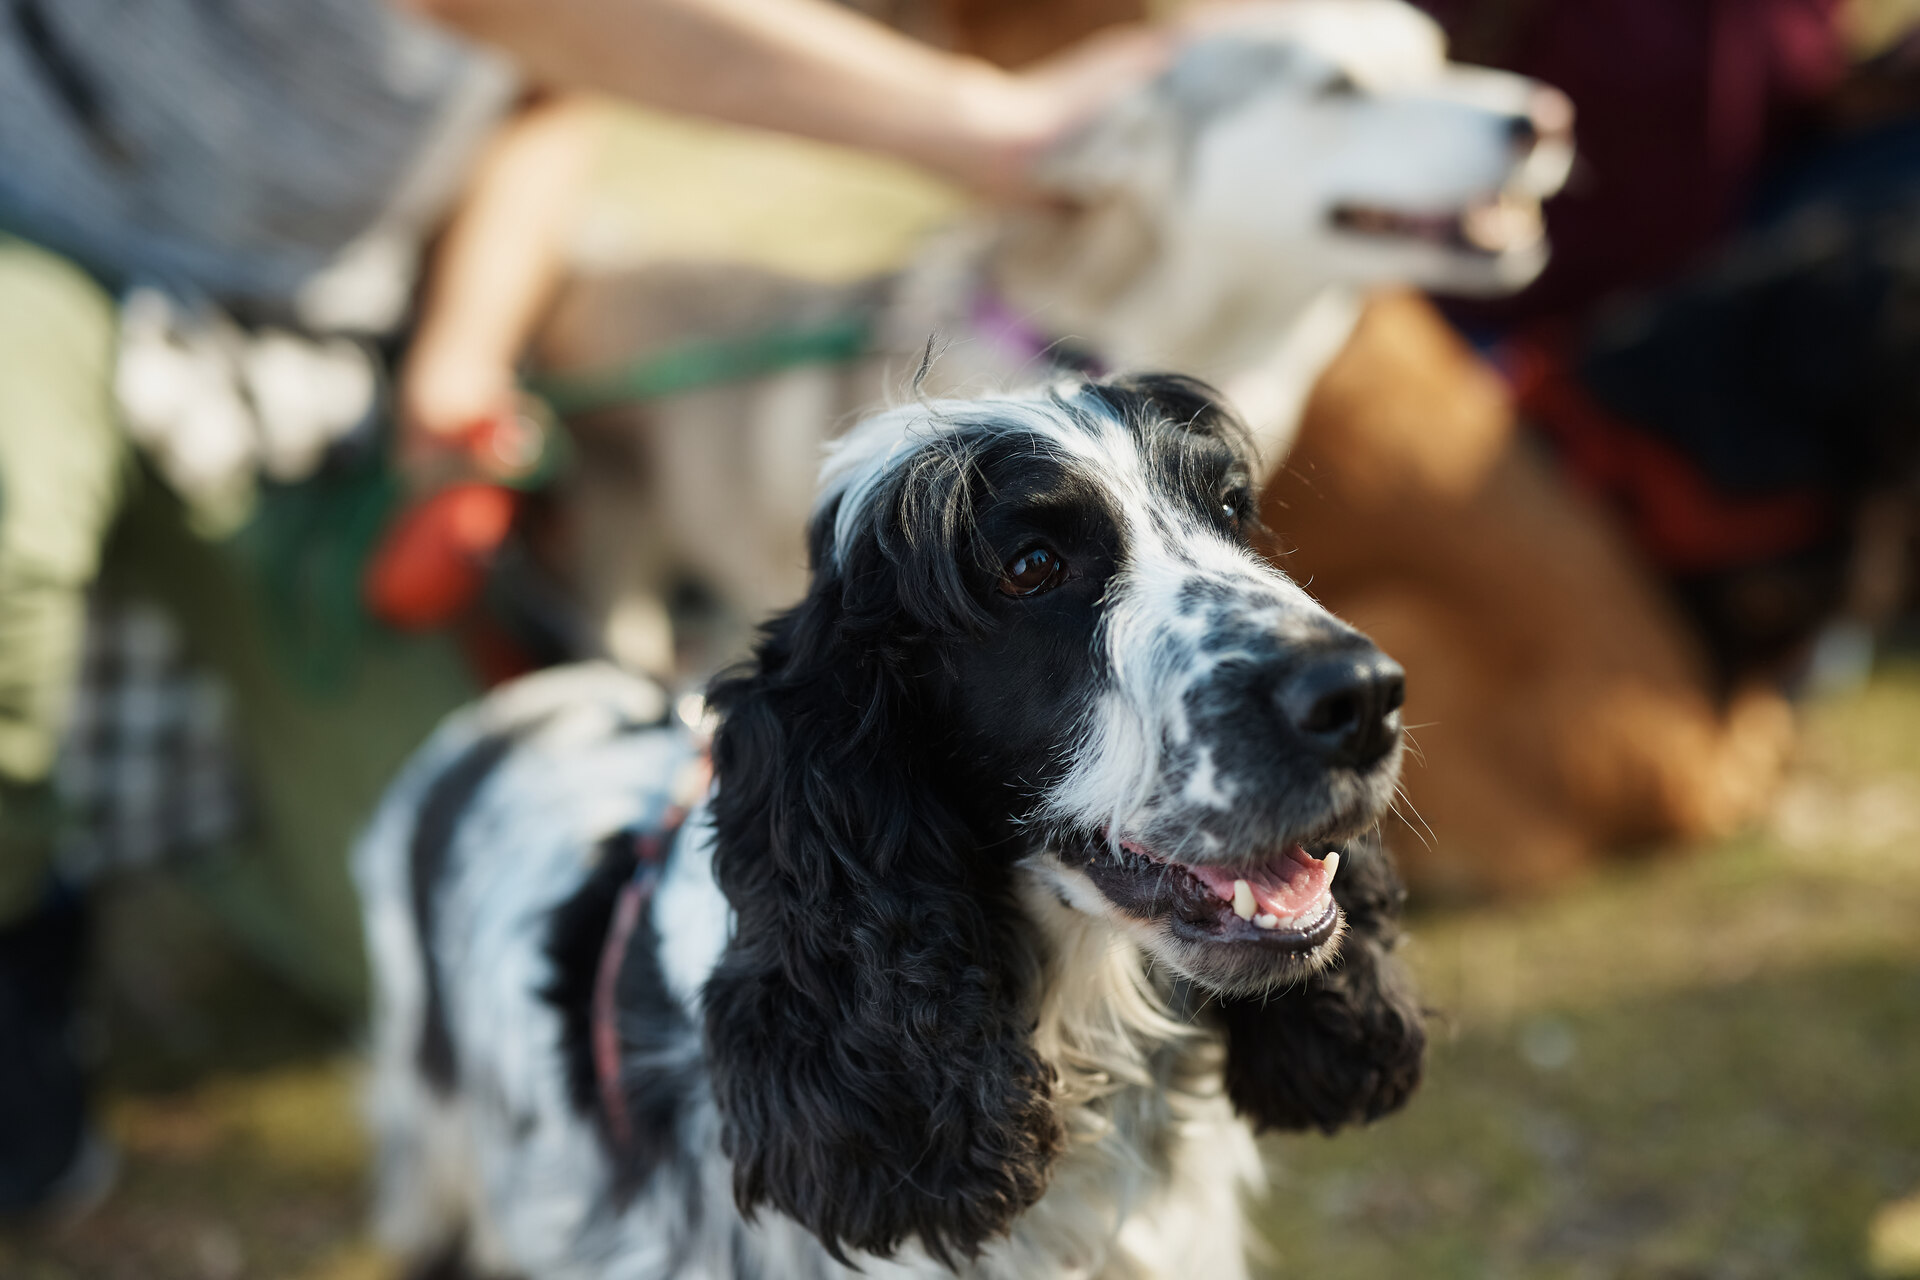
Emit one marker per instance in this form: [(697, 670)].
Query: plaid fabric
[(147, 769)]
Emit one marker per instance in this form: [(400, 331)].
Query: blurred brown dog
[(1559, 706)]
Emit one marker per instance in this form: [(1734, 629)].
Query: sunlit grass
[(1691, 1066), (242, 1176)]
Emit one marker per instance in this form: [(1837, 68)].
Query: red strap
[(634, 895), (1671, 509), (649, 852)]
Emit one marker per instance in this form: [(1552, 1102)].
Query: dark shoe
[(45, 1145)]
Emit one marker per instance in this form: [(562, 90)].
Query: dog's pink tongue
[(1288, 887)]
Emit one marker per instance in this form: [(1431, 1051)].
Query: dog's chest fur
[(498, 1143)]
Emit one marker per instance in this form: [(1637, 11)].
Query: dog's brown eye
[(1031, 572)]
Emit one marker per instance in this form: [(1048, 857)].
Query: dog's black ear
[(1346, 1047), (870, 1025)]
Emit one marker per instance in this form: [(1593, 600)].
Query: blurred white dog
[(1224, 220), (1297, 149)]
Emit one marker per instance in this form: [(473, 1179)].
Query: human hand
[(823, 71), (446, 395), (1010, 120)]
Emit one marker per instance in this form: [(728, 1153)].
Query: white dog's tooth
[(1243, 899), (1265, 921), (1333, 864)]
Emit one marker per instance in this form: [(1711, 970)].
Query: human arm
[(494, 269), (813, 68)]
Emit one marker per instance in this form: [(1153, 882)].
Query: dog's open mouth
[(1284, 901), (1504, 223)]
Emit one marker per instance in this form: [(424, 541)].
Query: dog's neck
[(1143, 293), (1102, 1023), (1015, 296), (1271, 395), (1138, 1089), (1103, 281)]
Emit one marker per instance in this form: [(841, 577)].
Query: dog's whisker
[(1400, 798), (1414, 748)]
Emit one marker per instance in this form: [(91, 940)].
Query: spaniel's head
[(1038, 645)]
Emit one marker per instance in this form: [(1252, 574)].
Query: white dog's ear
[(1115, 180), (1121, 238), (1132, 146), (1143, 142), (1214, 76)]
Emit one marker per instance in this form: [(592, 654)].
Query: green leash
[(309, 542), (692, 366)]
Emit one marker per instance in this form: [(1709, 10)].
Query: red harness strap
[(650, 852), (1670, 507)]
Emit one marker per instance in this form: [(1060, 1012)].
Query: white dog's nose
[(1548, 118)]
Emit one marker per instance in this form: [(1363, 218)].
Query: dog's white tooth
[(1265, 921), (1243, 899), (1333, 865)]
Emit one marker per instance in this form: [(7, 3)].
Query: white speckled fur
[(1156, 1158), (1149, 1186), (1152, 641)]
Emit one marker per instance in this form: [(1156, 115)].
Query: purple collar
[(1015, 337)]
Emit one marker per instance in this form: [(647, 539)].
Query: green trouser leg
[(317, 758), (62, 462)]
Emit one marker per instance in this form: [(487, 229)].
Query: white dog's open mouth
[(1504, 223), (1283, 901)]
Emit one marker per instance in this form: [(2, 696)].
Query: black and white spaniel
[(1010, 914)]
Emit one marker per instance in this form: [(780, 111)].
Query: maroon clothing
[(1679, 104)]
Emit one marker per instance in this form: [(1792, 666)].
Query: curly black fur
[(1347, 1047), (869, 1026)]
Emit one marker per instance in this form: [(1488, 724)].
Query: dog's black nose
[(1346, 703)]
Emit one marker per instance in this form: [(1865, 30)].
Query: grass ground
[(1691, 1067)]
